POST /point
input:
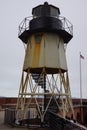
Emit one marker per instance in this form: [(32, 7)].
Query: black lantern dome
[(46, 18)]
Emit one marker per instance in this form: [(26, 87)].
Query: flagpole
[(81, 88)]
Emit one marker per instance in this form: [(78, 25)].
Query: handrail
[(24, 25), (57, 122), (66, 25)]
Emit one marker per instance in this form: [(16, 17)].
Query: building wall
[(6, 102)]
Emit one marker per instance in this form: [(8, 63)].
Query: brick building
[(80, 111)]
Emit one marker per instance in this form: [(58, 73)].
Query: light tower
[(45, 78)]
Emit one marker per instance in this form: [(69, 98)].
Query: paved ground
[(5, 127)]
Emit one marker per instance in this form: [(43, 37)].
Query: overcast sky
[(12, 12)]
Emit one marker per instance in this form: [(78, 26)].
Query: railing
[(58, 123), (66, 25), (24, 25)]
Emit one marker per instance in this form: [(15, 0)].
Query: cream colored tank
[(45, 50)]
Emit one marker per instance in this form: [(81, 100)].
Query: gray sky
[(12, 50)]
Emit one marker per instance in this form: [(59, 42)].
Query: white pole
[(81, 88), (80, 80)]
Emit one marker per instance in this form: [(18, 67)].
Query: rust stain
[(36, 53)]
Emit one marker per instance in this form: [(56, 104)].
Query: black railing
[(58, 123)]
